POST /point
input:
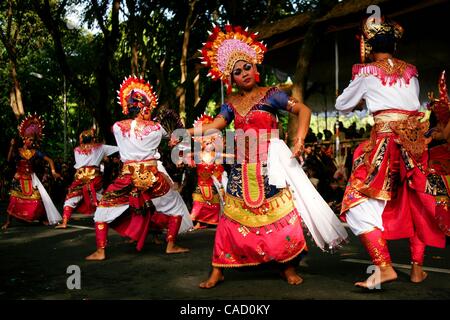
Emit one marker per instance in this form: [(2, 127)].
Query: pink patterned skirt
[(236, 245)]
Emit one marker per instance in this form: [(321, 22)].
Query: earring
[(257, 79)]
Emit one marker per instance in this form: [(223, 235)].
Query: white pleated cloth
[(322, 223), (53, 215)]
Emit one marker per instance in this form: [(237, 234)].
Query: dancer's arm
[(351, 96), (303, 113), (55, 174)]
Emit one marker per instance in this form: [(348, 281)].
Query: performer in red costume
[(209, 191), (140, 182), (386, 195), (260, 222), (439, 156), (86, 189), (29, 200)]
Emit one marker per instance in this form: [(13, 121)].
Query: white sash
[(283, 170), (53, 215)]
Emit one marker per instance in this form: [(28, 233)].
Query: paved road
[(35, 258)]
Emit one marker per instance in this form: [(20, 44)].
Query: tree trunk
[(9, 40), (16, 102), (301, 74), (183, 64)]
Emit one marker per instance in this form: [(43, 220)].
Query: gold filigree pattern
[(273, 209), (244, 103), (86, 174), (411, 135), (27, 153)]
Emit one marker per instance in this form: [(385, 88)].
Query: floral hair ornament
[(224, 49), (32, 125), (441, 106), (204, 119), (372, 27), (136, 93)]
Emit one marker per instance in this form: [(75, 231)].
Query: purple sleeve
[(227, 113)]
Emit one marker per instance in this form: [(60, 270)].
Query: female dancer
[(29, 200), (260, 222)]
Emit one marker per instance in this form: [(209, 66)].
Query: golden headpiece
[(224, 49), (32, 125), (136, 93), (372, 27), (204, 119), (90, 133)]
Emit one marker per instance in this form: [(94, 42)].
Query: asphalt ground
[(35, 261)]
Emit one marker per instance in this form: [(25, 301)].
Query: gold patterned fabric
[(273, 209)]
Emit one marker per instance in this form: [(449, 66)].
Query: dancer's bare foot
[(291, 276), (417, 273), (215, 277), (98, 255), (173, 248), (61, 226), (198, 226), (381, 275), (6, 225)]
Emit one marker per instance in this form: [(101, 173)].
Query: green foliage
[(154, 28)]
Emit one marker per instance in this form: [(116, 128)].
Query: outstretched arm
[(219, 123), (55, 174)]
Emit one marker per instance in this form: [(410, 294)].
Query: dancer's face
[(146, 113), (244, 75), (29, 142)]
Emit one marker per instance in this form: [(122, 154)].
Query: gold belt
[(143, 173), (86, 174), (384, 121)]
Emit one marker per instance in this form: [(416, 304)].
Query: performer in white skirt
[(139, 182), (386, 197), (86, 189), (167, 215)]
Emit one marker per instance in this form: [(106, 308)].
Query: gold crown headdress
[(202, 120), (32, 125), (136, 93), (86, 134), (224, 49), (372, 27)]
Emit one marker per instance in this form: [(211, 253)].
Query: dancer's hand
[(298, 148), (56, 175)]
